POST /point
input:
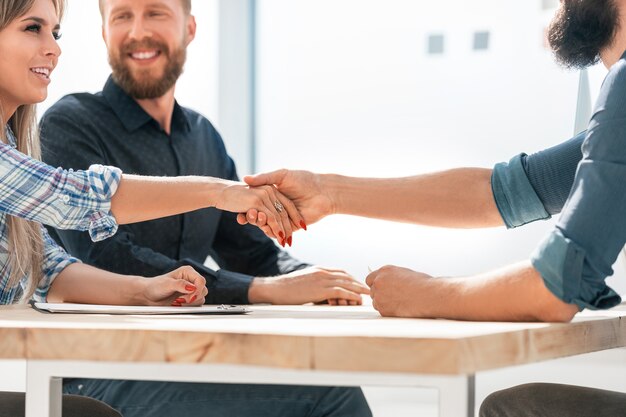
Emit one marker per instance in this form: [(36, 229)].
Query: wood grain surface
[(305, 337)]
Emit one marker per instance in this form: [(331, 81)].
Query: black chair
[(13, 404)]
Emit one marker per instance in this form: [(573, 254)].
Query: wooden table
[(312, 345)]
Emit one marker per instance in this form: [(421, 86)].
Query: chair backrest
[(13, 404)]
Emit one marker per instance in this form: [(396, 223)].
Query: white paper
[(109, 309)]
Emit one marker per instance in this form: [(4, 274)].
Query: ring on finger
[(279, 207)]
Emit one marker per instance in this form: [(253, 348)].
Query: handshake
[(295, 199), (289, 201)]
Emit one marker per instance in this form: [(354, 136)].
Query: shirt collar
[(130, 112)]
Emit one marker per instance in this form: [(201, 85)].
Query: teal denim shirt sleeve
[(514, 195), (560, 261)]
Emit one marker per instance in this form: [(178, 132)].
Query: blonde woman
[(32, 193)]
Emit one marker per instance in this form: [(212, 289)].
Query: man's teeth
[(144, 55), (43, 71)]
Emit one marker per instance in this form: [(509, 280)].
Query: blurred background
[(377, 88)]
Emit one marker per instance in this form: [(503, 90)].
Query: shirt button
[(65, 198)]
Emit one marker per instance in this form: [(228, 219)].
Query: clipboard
[(140, 310)]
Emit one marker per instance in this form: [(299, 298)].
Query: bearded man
[(136, 124), (577, 256)]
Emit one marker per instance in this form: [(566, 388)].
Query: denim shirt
[(575, 258), (34, 191)]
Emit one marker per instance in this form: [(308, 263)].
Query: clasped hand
[(302, 189), (277, 215)]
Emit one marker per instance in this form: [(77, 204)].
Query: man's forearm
[(514, 293), (460, 198)]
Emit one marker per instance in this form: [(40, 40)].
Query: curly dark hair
[(581, 29)]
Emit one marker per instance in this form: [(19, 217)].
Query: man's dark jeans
[(167, 399)]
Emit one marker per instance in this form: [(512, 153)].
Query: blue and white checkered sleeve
[(55, 260), (64, 199)]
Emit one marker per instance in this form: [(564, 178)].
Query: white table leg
[(457, 397), (44, 383), (43, 392)]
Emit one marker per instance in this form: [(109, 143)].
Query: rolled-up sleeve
[(577, 256), (536, 186), (515, 197), (65, 199), (55, 260), (564, 266)]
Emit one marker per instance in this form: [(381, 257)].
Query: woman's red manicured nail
[(303, 225), (193, 298), (180, 300), (190, 287), (289, 239), (281, 235), (175, 304)]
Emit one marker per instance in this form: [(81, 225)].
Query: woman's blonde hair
[(26, 247)]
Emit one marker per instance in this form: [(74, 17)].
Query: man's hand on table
[(401, 292), (309, 285)]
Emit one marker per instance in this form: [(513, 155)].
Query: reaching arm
[(527, 188), (141, 198), (82, 199), (455, 198)]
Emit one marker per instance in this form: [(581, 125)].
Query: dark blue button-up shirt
[(110, 128)]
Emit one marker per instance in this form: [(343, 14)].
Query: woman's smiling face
[(28, 54)]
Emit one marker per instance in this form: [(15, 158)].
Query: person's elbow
[(557, 311)]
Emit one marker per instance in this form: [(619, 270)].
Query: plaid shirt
[(66, 199)]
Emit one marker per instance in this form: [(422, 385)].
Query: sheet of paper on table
[(145, 310)]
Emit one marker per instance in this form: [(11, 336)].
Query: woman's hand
[(280, 215), (183, 286), (304, 188)]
